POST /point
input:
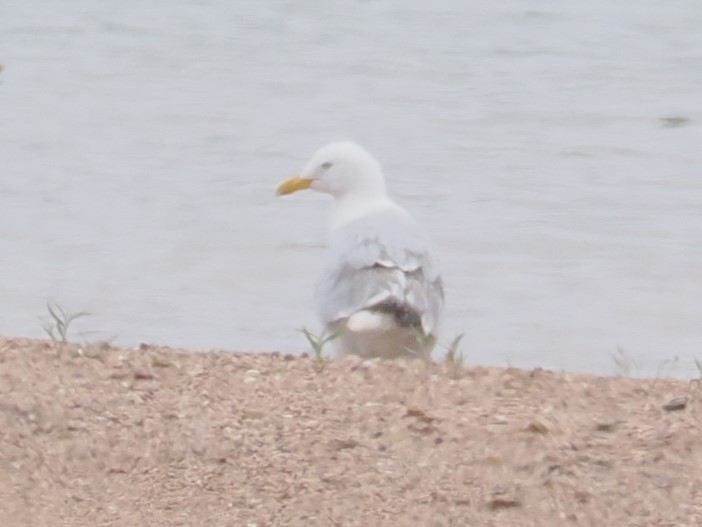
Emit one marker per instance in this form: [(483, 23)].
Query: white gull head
[(347, 172)]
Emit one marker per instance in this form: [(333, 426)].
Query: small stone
[(503, 498), (253, 414), (538, 426), (370, 364), (143, 375), (674, 405), (342, 444), (419, 414), (494, 459), (500, 502), (161, 362), (607, 425)]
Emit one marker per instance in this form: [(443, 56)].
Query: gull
[(379, 294)]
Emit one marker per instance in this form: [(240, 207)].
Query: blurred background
[(552, 150)]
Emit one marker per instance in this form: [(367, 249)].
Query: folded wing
[(381, 262)]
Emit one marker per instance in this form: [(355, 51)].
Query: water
[(552, 149)]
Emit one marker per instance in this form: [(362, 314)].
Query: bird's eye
[(327, 165)]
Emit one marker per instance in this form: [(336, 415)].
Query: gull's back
[(380, 288)]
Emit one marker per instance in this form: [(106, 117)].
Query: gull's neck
[(353, 206)]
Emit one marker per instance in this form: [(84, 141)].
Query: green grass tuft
[(624, 364), (318, 342), (57, 327), (454, 354)]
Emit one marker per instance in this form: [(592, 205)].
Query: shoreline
[(98, 434)]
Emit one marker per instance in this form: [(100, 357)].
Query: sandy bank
[(97, 435)]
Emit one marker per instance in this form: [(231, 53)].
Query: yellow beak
[(293, 184)]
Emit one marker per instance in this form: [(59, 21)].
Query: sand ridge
[(100, 435)]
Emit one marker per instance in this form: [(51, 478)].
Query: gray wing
[(380, 260)]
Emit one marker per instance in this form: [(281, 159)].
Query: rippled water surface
[(552, 149)]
